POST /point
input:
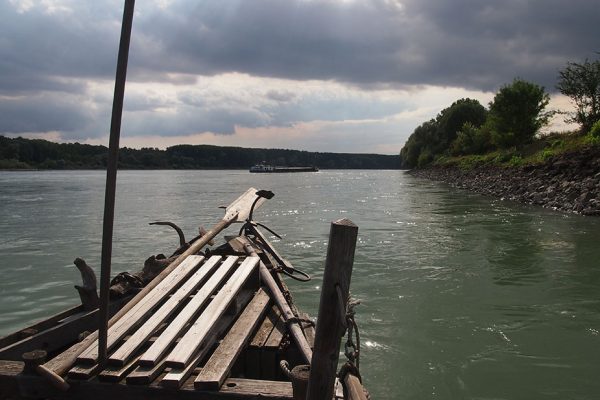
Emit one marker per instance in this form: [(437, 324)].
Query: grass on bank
[(535, 153)]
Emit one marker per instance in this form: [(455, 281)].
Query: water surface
[(463, 296)]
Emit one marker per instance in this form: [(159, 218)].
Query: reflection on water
[(463, 296)]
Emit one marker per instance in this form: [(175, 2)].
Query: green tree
[(434, 138), (420, 141), (517, 113), (581, 82), (471, 140), (452, 119)]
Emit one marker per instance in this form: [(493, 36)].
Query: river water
[(463, 296)]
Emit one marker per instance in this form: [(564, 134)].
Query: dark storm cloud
[(36, 46), (43, 113), (50, 57), (466, 43)]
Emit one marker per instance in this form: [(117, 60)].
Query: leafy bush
[(471, 140), (516, 161)]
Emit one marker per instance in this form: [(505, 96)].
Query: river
[(462, 296)]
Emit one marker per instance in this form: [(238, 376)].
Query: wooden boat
[(267, 168), (216, 322)]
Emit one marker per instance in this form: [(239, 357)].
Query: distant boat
[(264, 168)]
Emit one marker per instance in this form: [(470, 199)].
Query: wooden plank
[(241, 388), (220, 363), (153, 355), (145, 306), (116, 374), (253, 363), (57, 337), (145, 375), (274, 339), (123, 353), (178, 377), (239, 210), (264, 331), (82, 371), (38, 327), (34, 386), (268, 356), (184, 351)]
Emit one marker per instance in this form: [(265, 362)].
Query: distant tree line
[(20, 153), (513, 118)]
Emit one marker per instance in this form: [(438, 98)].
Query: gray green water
[(463, 296)]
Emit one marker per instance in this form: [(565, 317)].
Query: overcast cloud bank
[(348, 76)]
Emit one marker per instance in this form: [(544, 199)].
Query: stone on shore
[(568, 182)]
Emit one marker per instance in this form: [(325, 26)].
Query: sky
[(320, 75)]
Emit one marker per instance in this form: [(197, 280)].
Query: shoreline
[(567, 182)]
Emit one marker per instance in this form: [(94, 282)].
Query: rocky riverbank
[(568, 182)]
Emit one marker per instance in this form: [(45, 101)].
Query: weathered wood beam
[(331, 319), (284, 307)]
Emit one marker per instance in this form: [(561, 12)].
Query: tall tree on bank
[(433, 138), (517, 113), (581, 82)]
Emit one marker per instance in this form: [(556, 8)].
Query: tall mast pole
[(111, 178)]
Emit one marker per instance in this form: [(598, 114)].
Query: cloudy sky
[(319, 75)]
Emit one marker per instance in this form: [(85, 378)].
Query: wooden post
[(330, 321)]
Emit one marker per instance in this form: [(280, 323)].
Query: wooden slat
[(276, 335), (143, 307), (38, 327), (123, 353), (81, 371), (266, 327), (253, 353), (153, 355), (58, 336), (185, 350), (176, 377), (145, 375), (269, 364), (116, 374), (220, 363), (241, 388)]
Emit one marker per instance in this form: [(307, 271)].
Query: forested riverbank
[(20, 153)]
